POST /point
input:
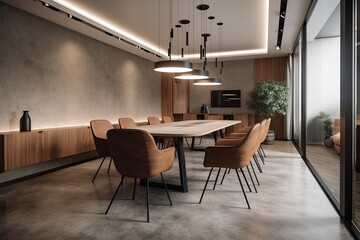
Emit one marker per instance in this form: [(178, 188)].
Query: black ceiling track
[(97, 28), (282, 15)]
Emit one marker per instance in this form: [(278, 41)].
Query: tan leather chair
[(167, 119), (336, 141), (153, 120), (267, 126), (160, 141), (126, 123), (212, 117), (336, 126), (232, 156), (136, 156), (168, 140), (99, 129), (241, 133)]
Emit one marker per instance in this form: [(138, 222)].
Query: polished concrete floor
[(66, 205)]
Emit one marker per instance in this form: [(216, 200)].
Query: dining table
[(180, 130)]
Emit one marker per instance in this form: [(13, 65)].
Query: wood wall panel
[(181, 97), (268, 69), (25, 148), (167, 81), (2, 162), (174, 96)]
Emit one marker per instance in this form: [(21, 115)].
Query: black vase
[(202, 109), (25, 122)]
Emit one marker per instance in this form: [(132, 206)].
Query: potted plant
[(268, 99), (327, 128)]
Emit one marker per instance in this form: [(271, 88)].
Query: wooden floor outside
[(327, 164)]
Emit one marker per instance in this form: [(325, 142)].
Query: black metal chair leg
[(206, 185), (257, 163), (134, 190), (166, 189), (121, 183), (222, 180), (247, 183), (98, 169), (147, 199), (242, 188), (229, 170), (261, 157), (187, 143), (254, 173), (216, 179), (109, 165), (262, 150), (252, 180)]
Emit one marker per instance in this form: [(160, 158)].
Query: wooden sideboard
[(19, 149)]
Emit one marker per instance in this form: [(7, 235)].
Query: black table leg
[(182, 165), (192, 143)]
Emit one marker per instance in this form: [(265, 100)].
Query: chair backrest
[(167, 119), (263, 130), (336, 126), (126, 123), (215, 117), (249, 146), (266, 129), (235, 156), (99, 129), (135, 153), (244, 118), (153, 120)]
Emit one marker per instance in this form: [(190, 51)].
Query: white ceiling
[(248, 24)]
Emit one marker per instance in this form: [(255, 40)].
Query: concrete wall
[(323, 84), (237, 75), (65, 78)]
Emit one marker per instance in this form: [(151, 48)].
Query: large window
[(326, 107), (323, 93)]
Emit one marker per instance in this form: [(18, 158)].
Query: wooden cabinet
[(174, 95), (19, 149)]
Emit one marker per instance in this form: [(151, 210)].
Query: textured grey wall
[(65, 78), (236, 75)]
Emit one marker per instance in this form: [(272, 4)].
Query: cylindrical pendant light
[(208, 82), (194, 75), (172, 66)]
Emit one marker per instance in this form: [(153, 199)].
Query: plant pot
[(270, 138), (328, 142)]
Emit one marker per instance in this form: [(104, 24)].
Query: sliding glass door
[(296, 93), (323, 93)]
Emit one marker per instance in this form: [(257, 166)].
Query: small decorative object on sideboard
[(207, 109), (202, 109), (25, 121)]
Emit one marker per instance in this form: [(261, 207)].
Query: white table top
[(190, 128)]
